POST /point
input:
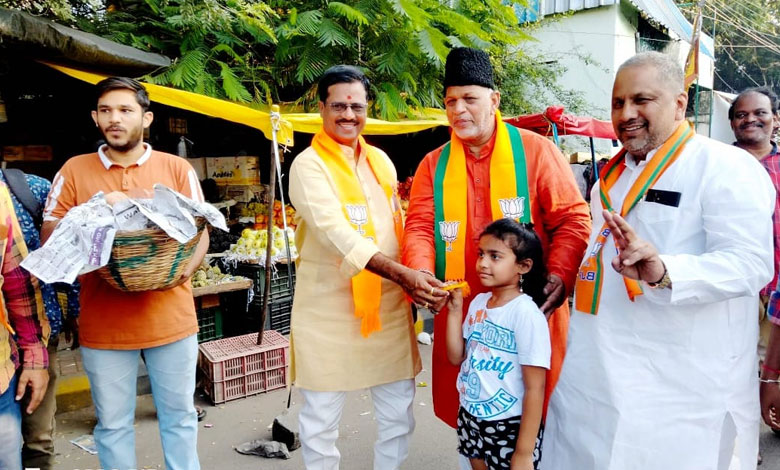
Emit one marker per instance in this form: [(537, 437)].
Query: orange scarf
[(587, 290), (366, 286)]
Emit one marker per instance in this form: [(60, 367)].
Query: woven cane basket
[(148, 259)]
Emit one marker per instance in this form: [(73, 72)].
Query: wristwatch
[(663, 283)]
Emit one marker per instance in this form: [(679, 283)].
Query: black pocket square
[(667, 198)]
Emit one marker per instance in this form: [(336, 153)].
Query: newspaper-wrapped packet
[(81, 243), (83, 239)]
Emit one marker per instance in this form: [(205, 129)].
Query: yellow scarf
[(587, 290), (366, 286), (509, 195)]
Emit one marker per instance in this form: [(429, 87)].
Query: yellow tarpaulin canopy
[(261, 120)]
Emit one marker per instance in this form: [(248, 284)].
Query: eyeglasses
[(357, 108)]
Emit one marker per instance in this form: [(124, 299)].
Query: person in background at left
[(24, 331), (38, 427)]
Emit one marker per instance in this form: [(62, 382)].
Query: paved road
[(243, 420), (770, 449), (433, 447)]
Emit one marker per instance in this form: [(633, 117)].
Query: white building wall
[(625, 37), (592, 44), (599, 35)]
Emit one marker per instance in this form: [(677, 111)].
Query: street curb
[(73, 391)]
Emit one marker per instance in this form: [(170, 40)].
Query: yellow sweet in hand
[(458, 285)]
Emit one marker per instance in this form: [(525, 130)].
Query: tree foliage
[(219, 48), (257, 51), (530, 84), (747, 42), (401, 44), (62, 10)]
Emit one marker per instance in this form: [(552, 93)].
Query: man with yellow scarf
[(351, 321), (487, 171), (662, 371)]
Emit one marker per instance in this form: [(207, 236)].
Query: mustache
[(340, 121), (633, 123), (114, 128), (751, 124)]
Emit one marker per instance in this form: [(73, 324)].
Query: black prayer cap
[(466, 66)]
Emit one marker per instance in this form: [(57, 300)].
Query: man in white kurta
[(331, 352), (670, 380)]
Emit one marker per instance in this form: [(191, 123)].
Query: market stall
[(209, 287), (553, 122)]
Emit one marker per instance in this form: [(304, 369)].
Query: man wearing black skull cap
[(489, 170)]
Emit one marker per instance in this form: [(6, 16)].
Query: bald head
[(648, 102), (667, 69)]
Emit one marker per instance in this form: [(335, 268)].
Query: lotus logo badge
[(358, 215), (449, 232), (512, 208)]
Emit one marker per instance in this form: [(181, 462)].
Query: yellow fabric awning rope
[(309, 123)]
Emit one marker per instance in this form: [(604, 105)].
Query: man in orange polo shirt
[(116, 326), (547, 196)]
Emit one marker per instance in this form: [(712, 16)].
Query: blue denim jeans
[(10, 429), (112, 377)]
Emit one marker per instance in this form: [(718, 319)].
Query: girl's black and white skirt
[(492, 441)]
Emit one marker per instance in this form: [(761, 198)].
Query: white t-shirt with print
[(498, 342)]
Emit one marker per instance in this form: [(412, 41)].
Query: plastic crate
[(240, 356), (245, 386), (282, 279), (279, 316), (209, 324)]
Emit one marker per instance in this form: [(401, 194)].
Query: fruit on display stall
[(404, 190), (405, 187), (287, 212), (208, 275), (254, 243), (252, 209), (259, 212), (220, 241)]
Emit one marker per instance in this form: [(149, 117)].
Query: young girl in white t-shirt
[(503, 349)]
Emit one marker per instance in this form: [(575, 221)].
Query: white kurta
[(668, 382)]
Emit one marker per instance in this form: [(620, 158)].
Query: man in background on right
[(753, 118)]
